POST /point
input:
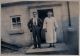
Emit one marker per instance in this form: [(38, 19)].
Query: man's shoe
[(53, 46), (34, 47), (49, 47), (39, 47)]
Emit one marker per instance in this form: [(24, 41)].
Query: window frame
[(15, 16)]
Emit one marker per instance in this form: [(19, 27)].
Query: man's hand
[(45, 30)]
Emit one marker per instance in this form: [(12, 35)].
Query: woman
[(50, 26)]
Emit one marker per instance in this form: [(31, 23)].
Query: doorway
[(42, 14)]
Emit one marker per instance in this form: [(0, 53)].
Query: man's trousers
[(36, 36)]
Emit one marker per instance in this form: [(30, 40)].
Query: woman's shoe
[(34, 47), (53, 45), (50, 45)]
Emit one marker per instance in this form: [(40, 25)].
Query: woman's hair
[(49, 12)]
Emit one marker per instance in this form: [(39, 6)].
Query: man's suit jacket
[(30, 24)]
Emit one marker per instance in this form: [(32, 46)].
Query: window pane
[(14, 25), (14, 20), (18, 19), (18, 23)]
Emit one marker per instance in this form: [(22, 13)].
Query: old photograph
[(40, 28)]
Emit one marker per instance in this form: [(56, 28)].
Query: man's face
[(49, 14), (35, 14)]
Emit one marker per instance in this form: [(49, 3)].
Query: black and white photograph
[(39, 27)]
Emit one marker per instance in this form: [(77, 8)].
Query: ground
[(60, 49)]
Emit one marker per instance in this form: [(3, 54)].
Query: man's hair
[(34, 12)]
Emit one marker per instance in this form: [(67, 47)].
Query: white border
[(6, 1)]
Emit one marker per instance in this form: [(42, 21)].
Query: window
[(16, 22)]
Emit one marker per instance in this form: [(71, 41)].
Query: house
[(16, 15)]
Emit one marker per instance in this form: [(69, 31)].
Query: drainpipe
[(69, 20), (70, 28)]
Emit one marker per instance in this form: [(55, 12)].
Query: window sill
[(16, 32)]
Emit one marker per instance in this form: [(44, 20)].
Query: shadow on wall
[(72, 37)]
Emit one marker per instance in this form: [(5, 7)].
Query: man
[(35, 26), (50, 26)]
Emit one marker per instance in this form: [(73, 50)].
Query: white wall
[(71, 37), (74, 15), (6, 24)]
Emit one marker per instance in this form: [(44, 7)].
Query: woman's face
[(49, 14)]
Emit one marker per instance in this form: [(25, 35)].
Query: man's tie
[(35, 21)]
